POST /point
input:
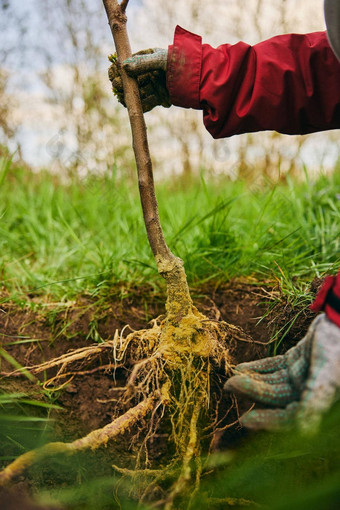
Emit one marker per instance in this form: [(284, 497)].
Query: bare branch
[(169, 266), (124, 4)]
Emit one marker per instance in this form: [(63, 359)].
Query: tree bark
[(169, 266)]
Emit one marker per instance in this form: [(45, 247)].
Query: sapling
[(171, 363)]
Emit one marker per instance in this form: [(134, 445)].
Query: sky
[(148, 27)]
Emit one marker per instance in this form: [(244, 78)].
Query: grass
[(277, 471), (58, 240), (24, 422), (281, 471)]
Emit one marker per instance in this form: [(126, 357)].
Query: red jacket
[(289, 84)]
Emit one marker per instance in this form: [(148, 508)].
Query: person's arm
[(289, 83)]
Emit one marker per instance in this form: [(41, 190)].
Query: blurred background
[(57, 110)]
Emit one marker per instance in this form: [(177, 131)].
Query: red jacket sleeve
[(290, 83), (328, 299)]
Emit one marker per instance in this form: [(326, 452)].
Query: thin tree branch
[(124, 4), (169, 266), (117, 22)]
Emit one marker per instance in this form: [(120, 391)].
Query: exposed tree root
[(192, 452), (170, 368), (68, 358), (93, 440), (177, 361)]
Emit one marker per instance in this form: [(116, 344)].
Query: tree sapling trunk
[(179, 303)]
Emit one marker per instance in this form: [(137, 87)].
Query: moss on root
[(177, 361)]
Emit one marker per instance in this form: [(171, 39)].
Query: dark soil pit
[(88, 396)]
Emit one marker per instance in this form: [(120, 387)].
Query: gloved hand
[(149, 68), (300, 385)]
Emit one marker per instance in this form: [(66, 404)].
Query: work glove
[(149, 68), (299, 386)]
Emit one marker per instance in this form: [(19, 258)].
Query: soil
[(88, 400)]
